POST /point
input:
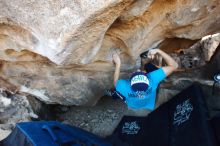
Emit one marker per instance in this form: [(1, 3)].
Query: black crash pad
[(182, 121)]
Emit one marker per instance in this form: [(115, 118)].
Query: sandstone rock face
[(13, 109), (198, 54), (61, 50)]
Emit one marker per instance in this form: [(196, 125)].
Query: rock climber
[(139, 92)]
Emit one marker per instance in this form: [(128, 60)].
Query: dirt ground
[(101, 119)]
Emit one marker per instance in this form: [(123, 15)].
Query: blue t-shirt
[(134, 100)]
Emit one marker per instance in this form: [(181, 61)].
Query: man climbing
[(139, 92)]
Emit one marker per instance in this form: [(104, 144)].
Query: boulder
[(61, 51)]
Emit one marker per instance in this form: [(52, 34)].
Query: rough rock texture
[(61, 51), (198, 54), (14, 108)]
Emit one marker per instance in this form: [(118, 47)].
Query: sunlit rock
[(61, 51)]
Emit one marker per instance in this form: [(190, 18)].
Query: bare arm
[(171, 63), (117, 62)]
